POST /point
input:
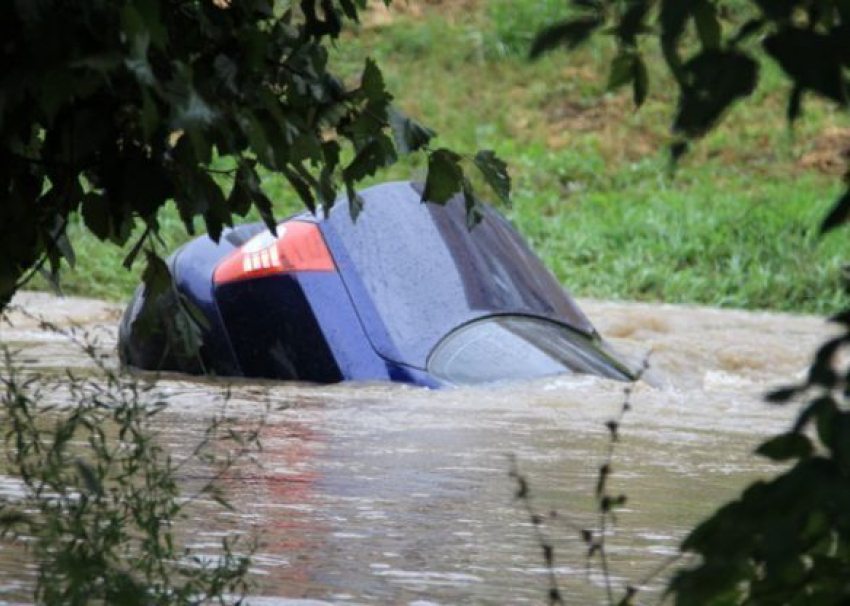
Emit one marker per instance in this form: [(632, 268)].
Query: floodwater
[(394, 495)]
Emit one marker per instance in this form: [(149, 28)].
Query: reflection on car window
[(504, 348)]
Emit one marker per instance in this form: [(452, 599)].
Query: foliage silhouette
[(594, 539), (100, 497), (786, 540), (113, 108)]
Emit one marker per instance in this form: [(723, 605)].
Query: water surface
[(374, 493)]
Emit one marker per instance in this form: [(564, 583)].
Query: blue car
[(405, 293)]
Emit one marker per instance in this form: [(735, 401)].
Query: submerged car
[(405, 293)]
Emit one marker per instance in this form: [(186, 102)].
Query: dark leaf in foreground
[(495, 173), (410, 135), (778, 10), (89, 477), (377, 153), (838, 215), (156, 277), (782, 395), (628, 66), (707, 23), (445, 177), (137, 99), (713, 81), (568, 34), (786, 446), (621, 71), (632, 22), (678, 149), (673, 18), (811, 59), (749, 29), (640, 85), (795, 104)]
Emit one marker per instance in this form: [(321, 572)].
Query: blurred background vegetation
[(735, 225)]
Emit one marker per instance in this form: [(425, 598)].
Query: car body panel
[(331, 298), (415, 272)]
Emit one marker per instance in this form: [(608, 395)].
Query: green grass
[(736, 226)]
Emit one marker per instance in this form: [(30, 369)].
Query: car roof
[(415, 272)]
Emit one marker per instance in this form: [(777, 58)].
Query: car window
[(505, 348)]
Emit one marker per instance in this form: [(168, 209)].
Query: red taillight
[(299, 246)]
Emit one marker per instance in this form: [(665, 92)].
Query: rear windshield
[(417, 272), (506, 348)]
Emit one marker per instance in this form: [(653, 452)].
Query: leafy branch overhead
[(113, 109), (710, 48)]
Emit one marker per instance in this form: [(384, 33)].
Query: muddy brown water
[(375, 493)]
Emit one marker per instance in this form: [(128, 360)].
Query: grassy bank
[(735, 226)]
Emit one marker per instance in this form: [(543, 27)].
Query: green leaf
[(195, 312), (125, 590), (445, 177), (194, 111), (253, 130), (749, 29), (838, 214), (217, 213), (264, 206), (223, 502), (130, 259), (306, 147), (811, 59), (622, 70), (327, 184), (145, 185), (372, 82), (786, 446), (89, 477), (632, 22), (138, 38), (640, 86), (103, 63), (149, 116), (473, 208), (795, 104), (783, 395), (149, 12), (184, 333), (707, 22), (9, 518), (96, 215), (825, 421), (569, 34), (627, 67), (239, 199), (355, 201), (409, 135), (301, 187), (53, 91), (226, 70), (840, 446), (673, 17), (249, 184), (714, 80), (350, 9), (60, 239), (156, 277), (379, 152), (495, 173), (33, 11), (778, 10)]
